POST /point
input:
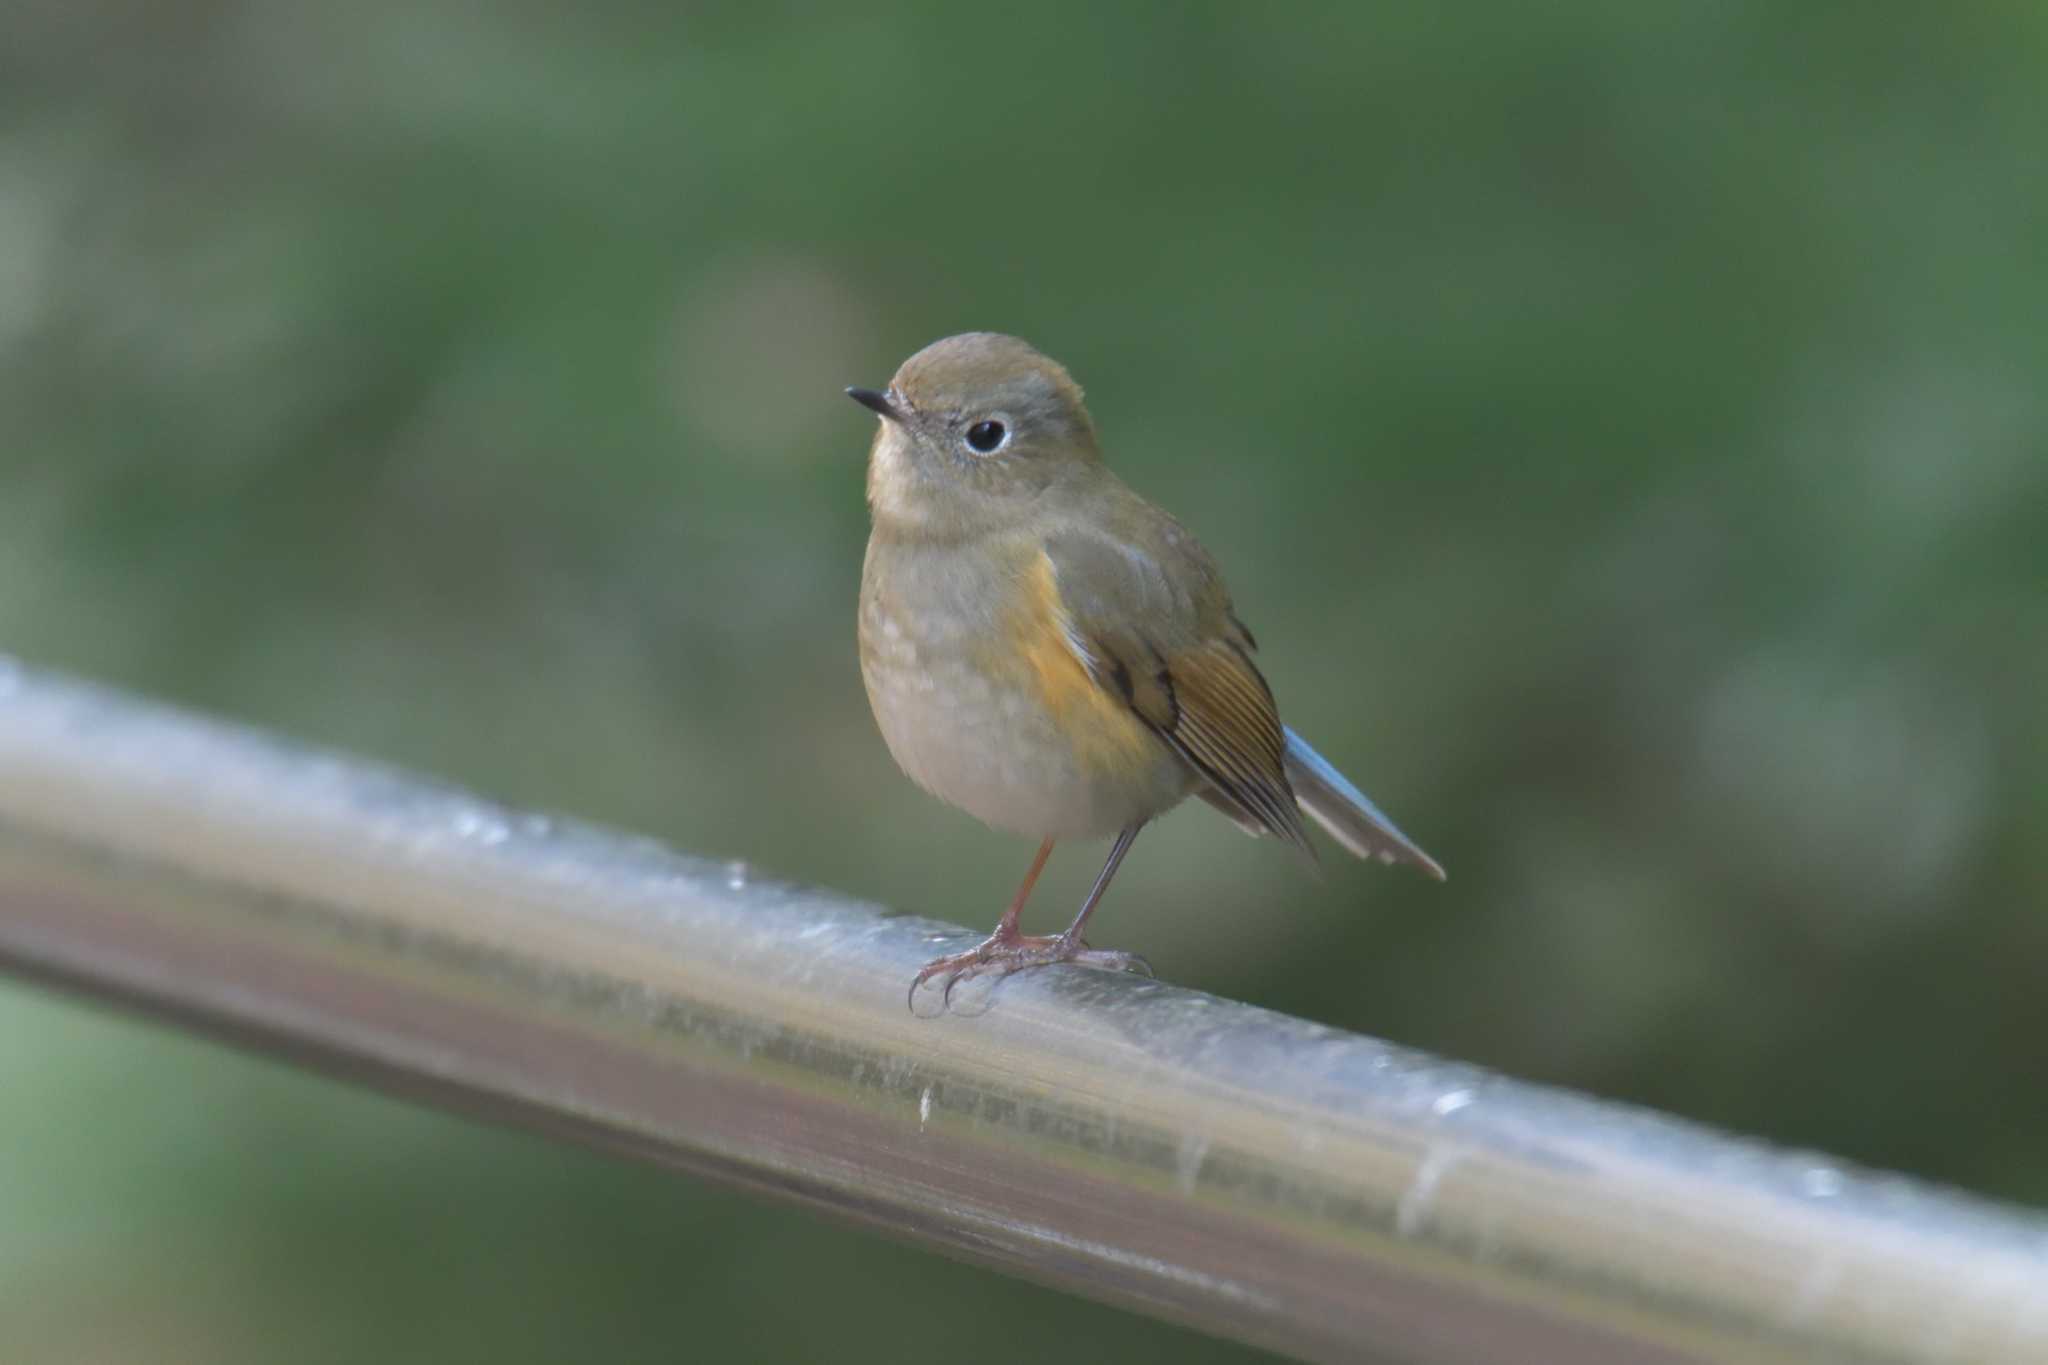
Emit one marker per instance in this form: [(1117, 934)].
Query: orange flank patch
[(1106, 736)]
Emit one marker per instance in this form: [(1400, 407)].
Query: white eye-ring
[(988, 435)]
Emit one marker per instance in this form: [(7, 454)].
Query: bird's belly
[(994, 742)]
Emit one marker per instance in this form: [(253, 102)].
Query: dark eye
[(987, 437)]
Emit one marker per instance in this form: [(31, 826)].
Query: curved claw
[(952, 967), (953, 979), (948, 967), (981, 966)]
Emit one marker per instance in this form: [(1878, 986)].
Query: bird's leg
[(1006, 927), (1005, 934), (1006, 950), (1124, 840)]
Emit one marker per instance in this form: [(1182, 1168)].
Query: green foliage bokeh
[(1622, 425)]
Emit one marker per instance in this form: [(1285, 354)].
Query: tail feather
[(1343, 810)]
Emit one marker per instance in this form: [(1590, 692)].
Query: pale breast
[(977, 708)]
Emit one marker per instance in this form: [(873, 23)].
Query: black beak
[(875, 402)]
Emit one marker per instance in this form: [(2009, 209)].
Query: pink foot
[(999, 955)]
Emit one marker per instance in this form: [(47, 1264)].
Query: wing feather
[(1154, 627), (1170, 648)]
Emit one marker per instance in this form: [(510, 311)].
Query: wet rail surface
[(1303, 1189)]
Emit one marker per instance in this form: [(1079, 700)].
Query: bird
[(1056, 655)]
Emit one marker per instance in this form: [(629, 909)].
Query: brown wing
[(1162, 637)]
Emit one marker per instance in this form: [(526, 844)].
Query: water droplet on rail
[(482, 827), (1187, 1161), (1822, 1182), (736, 875), (536, 826), (1451, 1102)]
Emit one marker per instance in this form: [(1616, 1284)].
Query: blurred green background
[(1623, 425)]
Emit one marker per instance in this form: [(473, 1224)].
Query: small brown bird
[(1052, 653)]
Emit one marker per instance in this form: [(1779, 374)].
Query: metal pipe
[(1295, 1187)]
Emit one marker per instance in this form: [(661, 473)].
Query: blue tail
[(1342, 809)]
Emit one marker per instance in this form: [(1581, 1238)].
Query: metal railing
[(1207, 1162)]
